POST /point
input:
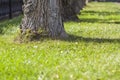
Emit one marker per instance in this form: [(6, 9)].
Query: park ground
[(92, 52)]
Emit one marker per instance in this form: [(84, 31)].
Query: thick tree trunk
[(55, 23), (43, 15), (30, 20)]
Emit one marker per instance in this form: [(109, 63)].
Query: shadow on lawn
[(4, 25), (103, 13), (74, 38), (98, 19)]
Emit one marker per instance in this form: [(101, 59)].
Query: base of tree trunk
[(42, 15)]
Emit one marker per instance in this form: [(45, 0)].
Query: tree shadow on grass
[(104, 13), (70, 38), (110, 20), (97, 20), (4, 25), (74, 38)]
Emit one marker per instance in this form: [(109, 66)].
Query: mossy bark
[(43, 15)]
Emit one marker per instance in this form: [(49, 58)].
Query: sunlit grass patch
[(92, 53)]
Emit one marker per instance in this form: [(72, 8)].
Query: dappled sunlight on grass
[(92, 52)]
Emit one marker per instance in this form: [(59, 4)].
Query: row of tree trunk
[(71, 8), (46, 17)]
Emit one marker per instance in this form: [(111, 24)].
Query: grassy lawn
[(92, 53)]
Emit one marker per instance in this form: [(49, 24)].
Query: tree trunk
[(43, 15), (71, 8), (68, 12), (55, 23)]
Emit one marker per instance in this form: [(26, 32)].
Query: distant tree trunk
[(43, 15), (71, 8), (68, 12), (55, 23)]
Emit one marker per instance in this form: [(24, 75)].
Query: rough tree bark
[(43, 15), (55, 23)]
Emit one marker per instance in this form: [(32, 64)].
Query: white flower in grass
[(40, 78), (35, 47), (76, 42)]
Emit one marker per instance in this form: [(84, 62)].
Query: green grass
[(92, 53)]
